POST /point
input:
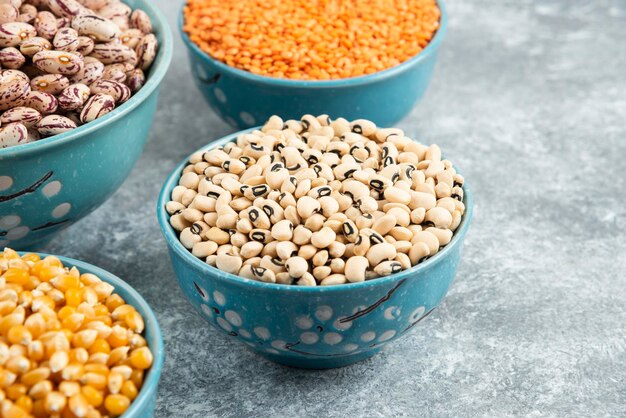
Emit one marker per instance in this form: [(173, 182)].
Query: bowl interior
[(431, 48), (152, 330), (175, 245), (153, 80)]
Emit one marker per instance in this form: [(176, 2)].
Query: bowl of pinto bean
[(78, 92), (315, 242)]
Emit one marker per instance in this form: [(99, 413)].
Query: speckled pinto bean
[(11, 58), (74, 96), (58, 62), (95, 27), (31, 46), (14, 86), (113, 53), (13, 33), (25, 115), (8, 13), (120, 92), (66, 39), (54, 125), (50, 83), (44, 103), (97, 106), (91, 72), (317, 202)]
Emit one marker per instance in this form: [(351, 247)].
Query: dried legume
[(312, 40), (75, 60), (69, 346)]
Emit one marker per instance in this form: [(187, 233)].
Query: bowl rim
[(151, 381), (430, 49), (210, 272), (158, 71)]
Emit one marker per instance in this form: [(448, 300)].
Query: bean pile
[(64, 63), (317, 202), (312, 40), (69, 346)]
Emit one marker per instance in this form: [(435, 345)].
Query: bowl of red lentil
[(104, 357), (250, 60)]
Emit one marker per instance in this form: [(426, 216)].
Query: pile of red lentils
[(312, 40), (69, 345)]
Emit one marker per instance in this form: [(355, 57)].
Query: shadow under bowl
[(144, 404), (47, 185), (312, 327), (243, 99)]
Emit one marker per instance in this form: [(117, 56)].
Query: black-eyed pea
[(240, 204), (188, 238), (203, 203), (227, 249), (177, 193), (229, 263), (323, 238), (447, 203), (350, 230), (284, 278), (403, 246), (244, 226), (320, 258), (418, 252), (297, 266), (384, 224), (361, 245), (302, 188), (337, 249), (307, 251), (97, 106), (218, 235), (274, 264), (422, 200), (365, 220), (380, 252), (427, 238), (355, 268), (333, 280), (188, 196), (367, 204), (260, 235), (24, 115), (456, 220), (344, 201), (172, 207), (404, 259), (204, 249), (54, 125), (301, 235), (211, 260), (210, 218), (251, 249), (418, 215), (442, 190), (434, 168), (387, 268), (355, 189), (286, 249), (457, 193), (401, 233), (119, 91), (246, 272), (254, 261), (192, 215), (335, 225), (315, 223), (307, 279), (179, 223), (403, 218), (283, 230), (273, 210), (443, 235), (439, 217), (306, 206), (321, 272)]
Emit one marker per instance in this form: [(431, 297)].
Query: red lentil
[(312, 40)]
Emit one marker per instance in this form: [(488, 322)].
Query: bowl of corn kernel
[(315, 242), (350, 58), (76, 341)]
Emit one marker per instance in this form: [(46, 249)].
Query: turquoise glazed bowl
[(47, 185), (244, 99), (312, 327), (144, 404)]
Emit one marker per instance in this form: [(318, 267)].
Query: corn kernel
[(129, 390), (17, 276), (35, 376), (19, 334), (54, 402), (114, 301), (95, 380), (25, 403), (78, 405), (100, 346), (40, 390), (137, 377), (58, 361), (141, 358), (116, 404), (15, 390), (93, 396), (10, 410), (73, 297), (79, 355), (69, 389)]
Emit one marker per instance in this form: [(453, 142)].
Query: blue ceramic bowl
[(312, 327), (244, 99), (47, 185), (144, 404)]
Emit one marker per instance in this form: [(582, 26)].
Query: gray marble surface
[(529, 99)]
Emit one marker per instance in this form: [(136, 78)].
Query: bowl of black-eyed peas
[(315, 241)]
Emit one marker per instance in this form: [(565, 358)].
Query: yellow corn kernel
[(100, 346), (100, 310), (118, 337), (31, 257), (48, 272), (93, 413), (40, 390), (105, 319), (97, 368), (123, 370), (86, 310), (84, 338), (69, 388), (116, 404), (95, 380), (59, 361), (66, 312), (54, 402), (15, 390), (89, 296), (73, 372), (25, 403), (73, 322), (35, 376), (79, 355), (89, 279), (10, 410), (129, 390), (7, 378), (103, 329), (137, 377), (41, 301), (121, 311), (7, 306), (73, 297), (10, 321), (115, 382), (19, 334), (103, 290), (65, 282), (25, 298), (99, 358), (114, 301), (36, 351), (78, 405), (137, 341), (17, 350), (141, 358), (93, 396), (118, 355), (57, 296), (17, 276), (39, 410), (134, 321), (17, 364)]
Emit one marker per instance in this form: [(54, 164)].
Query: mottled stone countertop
[(529, 98)]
